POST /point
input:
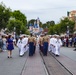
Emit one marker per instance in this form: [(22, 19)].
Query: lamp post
[(14, 32), (12, 18), (20, 32), (14, 35), (67, 31)]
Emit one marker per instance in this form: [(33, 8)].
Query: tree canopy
[(4, 15), (61, 27), (66, 22), (19, 16)]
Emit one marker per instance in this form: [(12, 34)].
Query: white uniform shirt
[(24, 41), (19, 43), (59, 42)]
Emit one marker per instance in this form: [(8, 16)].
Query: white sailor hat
[(57, 35), (21, 36)]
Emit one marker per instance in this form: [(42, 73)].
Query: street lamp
[(14, 32), (67, 31), (12, 18), (14, 35), (20, 32), (14, 29)]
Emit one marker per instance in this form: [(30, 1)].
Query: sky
[(46, 10)]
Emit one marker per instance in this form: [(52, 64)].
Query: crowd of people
[(45, 42), (51, 43), (69, 41)]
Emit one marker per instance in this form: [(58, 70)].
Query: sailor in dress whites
[(25, 43), (53, 43), (22, 45), (19, 43), (58, 46), (50, 45)]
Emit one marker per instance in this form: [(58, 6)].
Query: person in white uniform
[(19, 44), (58, 46), (25, 43), (50, 45), (53, 43)]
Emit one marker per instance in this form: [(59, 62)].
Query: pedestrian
[(19, 42), (41, 43), (53, 43), (64, 41), (58, 46), (1, 43), (67, 41), (4, 48), (10, 46), (70, 41), (45, 44), (31, 42), (50, 44), (35, 43), (24, 43)]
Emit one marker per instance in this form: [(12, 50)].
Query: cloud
[(45, 9)]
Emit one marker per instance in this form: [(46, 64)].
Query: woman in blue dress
[(10, 46)]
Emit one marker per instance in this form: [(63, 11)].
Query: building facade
[(72, 16)]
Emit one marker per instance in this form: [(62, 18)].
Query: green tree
[(40, 24), (44, 25), (18, 25), (19, 16), (64, 23), (4, 15), (56, 29), (20, 22), (31, 22), (50, 23), (51, 31)]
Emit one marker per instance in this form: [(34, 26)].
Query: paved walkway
[(12, 66), (68, 59), (34, 65), (53, 66)]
